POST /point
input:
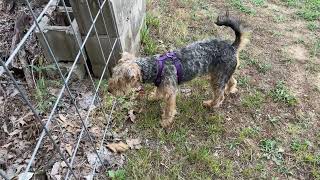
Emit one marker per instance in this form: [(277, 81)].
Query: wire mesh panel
[(55, 127)]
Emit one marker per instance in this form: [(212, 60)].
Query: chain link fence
[(52, 142)]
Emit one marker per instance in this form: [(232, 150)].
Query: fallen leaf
[(118, 147), (69, 149), (88, 177), (5, 128), (21, 121), (15, 132), (134, 143), (62, 118), (55, 169), (25, 176), (131, 116)]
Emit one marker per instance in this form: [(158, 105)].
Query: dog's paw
[(207, 104), (233, 90), (166, 122)]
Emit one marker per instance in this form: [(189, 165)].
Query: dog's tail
[(242, 34)]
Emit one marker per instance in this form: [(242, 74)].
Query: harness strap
[(160, 63)]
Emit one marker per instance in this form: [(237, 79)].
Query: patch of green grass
[(214, 125), (310, 10), (273, 120), (238, 4), (282, 94), (43, 98), (258, 2), (316, 48), (143, 163), (279, 18), (152, 21), (312, 26), (243, 81), (254, 100), (298, 145), (263, 67), (291, 2), (204, 160), (271, 150), (149, 45), (117, 175)]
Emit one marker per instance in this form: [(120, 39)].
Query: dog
[(216, 58)]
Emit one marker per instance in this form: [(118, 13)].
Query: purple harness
[(160, 63)]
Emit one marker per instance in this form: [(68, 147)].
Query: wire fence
[(65, 91)]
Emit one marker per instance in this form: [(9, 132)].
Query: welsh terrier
[(217, 58)]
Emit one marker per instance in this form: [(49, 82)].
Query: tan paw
[(207, 104), (166, 122), (234, 90)]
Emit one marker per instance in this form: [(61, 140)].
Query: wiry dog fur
[(217, 58)]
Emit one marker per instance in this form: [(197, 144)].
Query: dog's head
[(125, 76)]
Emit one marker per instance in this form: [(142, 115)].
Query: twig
[(22, 21), (8, 82)]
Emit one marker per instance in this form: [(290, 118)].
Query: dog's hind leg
[(217, 93), (231, 86)]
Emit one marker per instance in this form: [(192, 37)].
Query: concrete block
[(96, 56), (82, 15), (77, 74), (61, 38)]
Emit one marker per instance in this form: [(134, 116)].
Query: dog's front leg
[(169, 109)]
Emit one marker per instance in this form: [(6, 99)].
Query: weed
[(279, 18), (298, 145), (152, 21), (42, 96), (310, 10), (254, 100), (281, 94), (258, 2), (291, 2), (316, 48), (117, 175), (273, 120), (149, 45), (312, 26), (263, 67), (271, 150), (243, 81)]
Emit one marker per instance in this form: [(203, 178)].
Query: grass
[(282, 94), (312, 26), (254, 100), (272, 151), (238, 4), (257, 132)]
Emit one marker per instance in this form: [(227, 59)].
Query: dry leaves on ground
[(131, 116), (119, 147), (134, 143)]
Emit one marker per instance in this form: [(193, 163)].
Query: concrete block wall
[(120, 19), (62, 41)]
